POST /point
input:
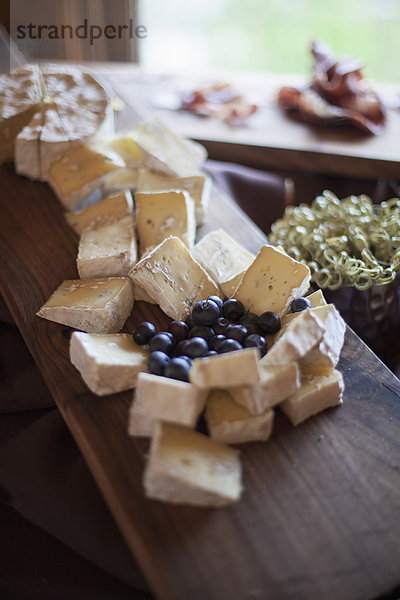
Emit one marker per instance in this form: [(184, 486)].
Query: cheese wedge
[(173, 278), (162, 214), (120, 180), (272, 281), (295, 339), (27, 147), (92, 305), (107, 363), (221, 256), (109, 250), (166, 152), (317, 299), (78, 172), (277, 382), (231, 423), (325, 354), (113, 207), (226, 370), (186, 467), (127, 148), (160, 398), (316, 393), (198, 187)]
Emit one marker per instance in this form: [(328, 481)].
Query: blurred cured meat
[(338, 93)]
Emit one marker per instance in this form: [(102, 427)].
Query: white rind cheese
[(162, 214), (325, 354), (92, 305), (109, 250), (277, 382), (107, 363), (231, 423), (186, 467), (172, 278), (226, 370), (272, 281), (198, 187), (117, 181), (221, 256), (160, 398), (113, 207), (317, 299), (317, 392)]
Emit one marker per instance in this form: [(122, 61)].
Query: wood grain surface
[(320, 515)]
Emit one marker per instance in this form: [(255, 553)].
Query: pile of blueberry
[(213, 327)]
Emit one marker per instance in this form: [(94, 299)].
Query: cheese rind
[(115, 207), (186, 467), (231, 423), (198, 187), (226, 370), (295, 339), (272, 281), (221, 256), (92, 305), (107, 363), (173, 278), (160, 398), (109, 250), (277, 382), (162, 214), (317, 392)]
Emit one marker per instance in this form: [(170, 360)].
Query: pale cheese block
[(107, 363), (78, 172), (317, 299), (226, 370), (162, 214), (186, 467), (277, 382), (231, 423), (27, 147), (122, 179), (317, 392), (160, 398), (272, 281), (165, 152), (115, 207), (325, 354), (92, 305), (295, 339), (127, 148), (109, 250), (172, 278), (229, 286), (222, 256), (55, 139), (140, 295), (198, 186)]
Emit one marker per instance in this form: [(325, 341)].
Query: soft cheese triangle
[(114, 207), (226, 370), (317, 392), (92, 305), (107, 363), (160, 398), (172, 278), (109, 250), (186, 467), (162, 214), (272, 281), (231, 423), (325, 355)]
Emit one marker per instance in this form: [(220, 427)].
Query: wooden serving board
[(320, 515)]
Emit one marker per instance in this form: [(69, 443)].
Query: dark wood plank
[(320, 516)]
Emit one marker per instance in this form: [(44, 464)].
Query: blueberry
[(162, 341), (177, 368), (180, 348), (248, 318), (143, 333), (179, 330), (188, 360), (214, 342), (229, 345), (299, 304), (232, 309), (269, 322), (156, 362), (196, 347), (251, 328), (217, 300), (202, 331), (221, 324), (205, 312), (256, 341), (211, 353), (189, 321), (236, 332)]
